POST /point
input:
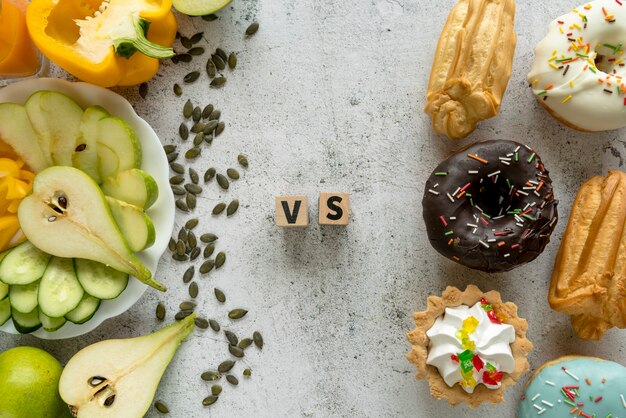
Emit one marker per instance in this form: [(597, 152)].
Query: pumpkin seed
[(218, 61), (210, 18), (231, 337), (188, 275), (219, 208), (171, 157), (197, 50), (206, 238), (182, 315), (220, 128), (211, 70), (215, 326), (215, 114), (196, 114), (201, 323), (243, 160), (220, 259), (221, 53), (197, 140), (193, 175), (232, 380), (143, 90), (232, 208), (192, 153), (210, 376), (218, 82), (251, 30), (247, 372), (191, 223), (182, 206), (208, 250), (210, 400), (160, 311), (219, 295), (191, 77), (188, 109), (171, 245), (236, 351), (222, 181), (186, 42), (187, 306), (197, 37), (177, 168), (180, 247), (178, 257), (193, 188), (216, 390), (169, 148), (191, 240), (225, 366), (198, 127), (175, 59), (258, 339), (206, 112), (190, 199), (178, 90), (245, 343), (209, 174), (177, 179), (207, 266), (183, 131), (232, 60), (210, 126), (161, 407), (182, 234), (193, 290), (237, 313), (194, 253), (184, 57), (232, 173), (178, 191)]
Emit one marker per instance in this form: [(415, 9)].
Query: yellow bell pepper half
[(108, 43)]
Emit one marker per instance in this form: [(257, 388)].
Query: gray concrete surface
[(328, 97)]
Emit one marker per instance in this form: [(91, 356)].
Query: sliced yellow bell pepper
[(109, 43), (16, 182)]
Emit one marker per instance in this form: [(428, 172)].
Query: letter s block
[(334, 209), (292, 211)]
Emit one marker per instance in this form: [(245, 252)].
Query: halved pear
[(67, 216), (85, 154), (119, 378), (132, 186), (136, 227), (199, 7), (17, 131)]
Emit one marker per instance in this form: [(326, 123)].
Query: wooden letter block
[(334, 209), (292, 211)]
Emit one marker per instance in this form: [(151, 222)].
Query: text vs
[(293, 211)]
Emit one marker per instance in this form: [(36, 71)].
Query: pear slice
[(136, 227), (67, 216), (17, 131), (119, 378), (118, 138), (85, 154), (133, 186)]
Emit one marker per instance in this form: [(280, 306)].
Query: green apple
[(29, 381), (200, 7)]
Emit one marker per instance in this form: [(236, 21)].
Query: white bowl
[(154, 162)]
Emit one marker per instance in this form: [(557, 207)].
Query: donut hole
[(606, 58), (494, 199)]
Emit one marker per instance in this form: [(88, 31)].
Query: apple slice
[(118, 138), (200, 7), (67, 216), (119, 378), (85, 155), (17, 131), (133, 186), (136, 227)]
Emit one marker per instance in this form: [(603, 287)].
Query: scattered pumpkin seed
[(231, 337), (188, 275), (171, 245), (232, 173), (220, 128), (210, 18), (252, 29), (178, 191), (206, 238), (193, 188), (218, 61), (236, 351), (215, 114), (171, 157), (196, 114), (206, 112), (210, 126), (245, 343), (177, 179), (197, 50), (178, 90), (194, 253), (191, 223), (169, 148), (210, 400), (198, 127), (197, 37), (215, 326), (160, 311), (143, 90), (237, 313), (219, 208), (177, 168), (225, 366), (232, 380), (187, 306), (193, 290), (175, 59), (216, 390), (180, 247), (197, 140), (188, 109), (210, 376), (186, 42), (182, 315), (221, 53), (183, 131), (208, 250), (201, 323), (193, 175), (247, 372), (222, 181), (211, 70), (220, 259), (182, 234), (243, 160), (232, 60), (207, 266), (219, 295), (192, 153), (178, 257), (190, 199), (191, 77), (258, 339), (191, 240), (232, 208), (161, 407), (218, 82), (184, 57)]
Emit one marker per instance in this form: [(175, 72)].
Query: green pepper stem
[(127, 46)]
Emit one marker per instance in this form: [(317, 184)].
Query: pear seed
[(232, 208), (201, 323), (258, 339), (215, 326), (237, 313), (83, 147), (216, 390), (208, 250), (219, 208), (210, 400), (96, 381), (210, 376), (245, 343), (109, 401), (160, 311), (219, 295), (52, 218), (206, 238), (161, 407), (220, 259), (193, 290), (207, 266), (235, 351), (232, 380), (225, 366)]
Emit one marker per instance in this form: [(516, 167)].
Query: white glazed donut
[(579, 65)]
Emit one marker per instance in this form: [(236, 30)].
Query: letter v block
[(292, 211), (334, 209)]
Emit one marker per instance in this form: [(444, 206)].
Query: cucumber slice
[(5, 311), (24, 297), (133, 186), (26, 323), (24, 264), (99, 280), (51, 324), (59, 290), (84, 311)]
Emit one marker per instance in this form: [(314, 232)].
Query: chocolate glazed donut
[(490, 207)]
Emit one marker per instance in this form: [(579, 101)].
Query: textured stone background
[(328, 97)]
